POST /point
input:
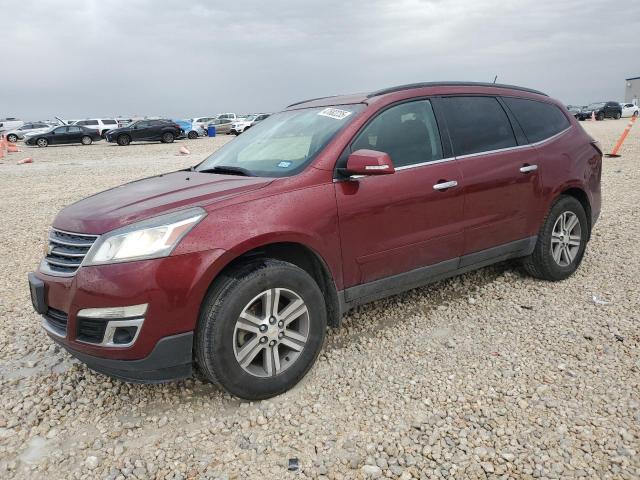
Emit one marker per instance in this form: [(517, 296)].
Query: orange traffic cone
[(614, 152), (184, 150), (12, 148), (25, 160), (593, 116)]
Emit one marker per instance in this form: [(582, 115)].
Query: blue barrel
[(211, 131)]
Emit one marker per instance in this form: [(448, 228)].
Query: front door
[(501, 181), (58, 135), (392, 224)]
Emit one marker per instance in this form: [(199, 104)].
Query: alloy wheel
[(42, 142), (271, 332), (566, 238)]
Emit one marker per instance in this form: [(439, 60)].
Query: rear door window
[(539, 120), (109, 122), (477, 124)]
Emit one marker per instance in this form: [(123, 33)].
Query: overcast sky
[(190, 58)]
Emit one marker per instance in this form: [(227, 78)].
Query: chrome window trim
[(517, 147)]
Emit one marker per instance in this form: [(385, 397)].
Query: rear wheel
[(192, 135), (167, 137), (635, 114), (123, 140), (261, 329), (12, 137), (561, 241), (617, 115), (86, 140), (42, 142)]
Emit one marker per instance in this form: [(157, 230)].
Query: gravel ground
[(488, 375)]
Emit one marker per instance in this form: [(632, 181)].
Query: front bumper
[(172, 288), (171, 359)]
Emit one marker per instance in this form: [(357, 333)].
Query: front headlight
[(152, 238)]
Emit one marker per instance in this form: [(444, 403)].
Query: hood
[(150, 197)]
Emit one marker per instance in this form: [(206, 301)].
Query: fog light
[(124, 335)]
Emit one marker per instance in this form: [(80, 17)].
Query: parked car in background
[(574, 110), (19, 133), (10, 123), (190, 129), (101, 125), (163, 130), (202, 122), (228, 116), (223, 125), (241, 125), (239, 264), (601, 110), (630, 110), (123, 122), (63, 134)]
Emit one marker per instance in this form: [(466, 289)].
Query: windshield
[(595, 106), (283, 144), (249, 118)]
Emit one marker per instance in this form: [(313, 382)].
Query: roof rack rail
[(410, 86), (310, 100)]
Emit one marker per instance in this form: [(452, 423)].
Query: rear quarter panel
[(570, 161)]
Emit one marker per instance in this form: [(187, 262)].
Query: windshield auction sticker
[(334, 113)]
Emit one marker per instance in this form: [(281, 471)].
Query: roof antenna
[(495, 78)]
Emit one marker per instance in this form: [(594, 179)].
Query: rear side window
[(539, 120), (109, 122), (477, 124), (408, 133)]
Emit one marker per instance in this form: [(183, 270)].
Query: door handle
[(528, 168), (445, 185)]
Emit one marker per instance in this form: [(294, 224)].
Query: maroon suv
[(239, 263)]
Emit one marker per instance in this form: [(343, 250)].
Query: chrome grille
[(66, 251)]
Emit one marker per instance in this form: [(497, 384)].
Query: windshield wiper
[(227, 169)]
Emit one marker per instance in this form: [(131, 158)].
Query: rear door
[(502, 184), (391, 224), (74, 134)]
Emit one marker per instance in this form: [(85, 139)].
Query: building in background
[(632, 90)]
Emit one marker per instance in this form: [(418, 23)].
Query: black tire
[(635, 114), (541, 263), (167, 137), (617, 115), (123, 140), (192, 135), (42, 142), (12, 137), (600, 116), (86, 140), (228, 296)]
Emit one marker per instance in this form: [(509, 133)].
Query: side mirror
[(369, 162)]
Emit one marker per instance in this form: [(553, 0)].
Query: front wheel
[(635, 114), (260, 329), (192, 135), (561, 241), (123, 140), (42, 142), (167, 137), (600, 116), (12, 137), (617, 115), (86, 140)]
